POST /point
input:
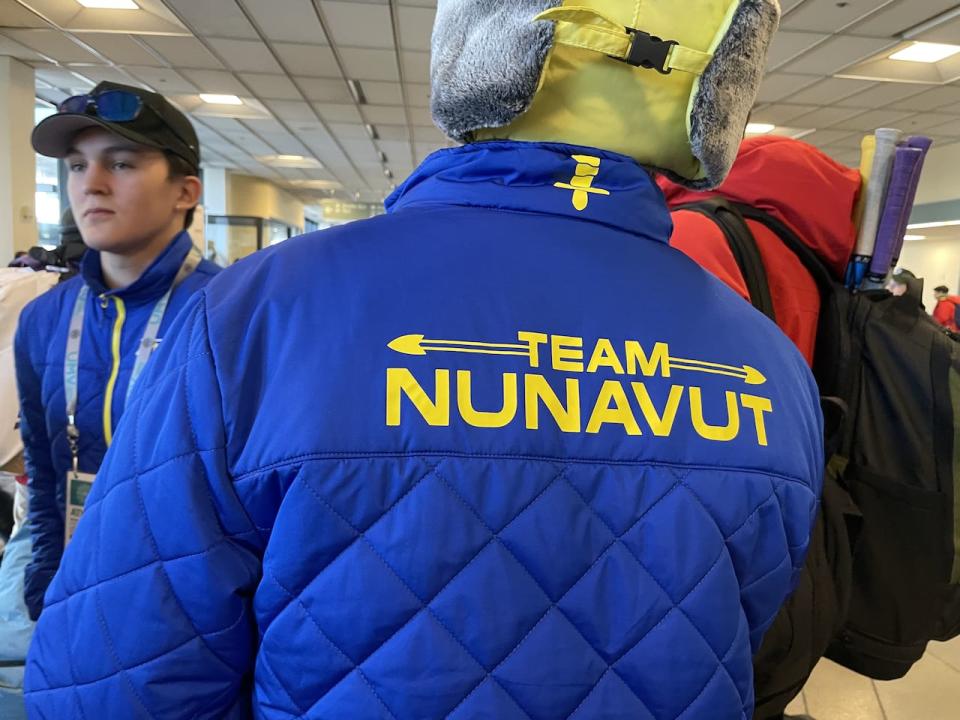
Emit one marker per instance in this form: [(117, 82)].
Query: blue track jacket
[(501, 453), (112, 317)]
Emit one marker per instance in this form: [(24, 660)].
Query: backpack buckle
[(648, 51)]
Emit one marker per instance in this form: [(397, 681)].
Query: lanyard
[(145, 349)]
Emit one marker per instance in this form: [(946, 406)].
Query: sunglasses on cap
[(110, 105)]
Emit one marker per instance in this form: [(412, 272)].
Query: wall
[(937, 262), (941, 175), (18, 164), (247, 195)]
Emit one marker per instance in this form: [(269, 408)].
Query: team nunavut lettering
[(625, 402)]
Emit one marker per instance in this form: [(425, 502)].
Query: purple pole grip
[(923, 144), (904, 165)]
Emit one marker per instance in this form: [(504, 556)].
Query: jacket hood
[(796, 183)]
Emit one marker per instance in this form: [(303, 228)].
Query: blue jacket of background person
[(500, 453), (40, 347)]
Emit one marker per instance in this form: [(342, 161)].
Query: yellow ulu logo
[(588, 167)]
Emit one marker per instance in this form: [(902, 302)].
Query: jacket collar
[(583, 183), (155, 279)]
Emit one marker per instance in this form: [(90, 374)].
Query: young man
[(946, 311), (133, 161), (499, 453)]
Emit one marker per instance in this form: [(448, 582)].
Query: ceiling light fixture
[(356, 89), (289, 161), (760, 128), (372, 132), (220, 99), (924, 52), (931, 225), (914, 237), (110, 4)]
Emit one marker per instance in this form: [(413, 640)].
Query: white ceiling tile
[(285, 143), (428, 134), (245, 55), (292, 110), (349, 131), (418, 95), (324, 89), (308, 60), (420, 116), (393, 133), (361, 151), (121, 49), (271, 87), (827, 16), (779, 86), (368, 64), (828, 137), (216, 82), (787, 45), (14, 15), (358, 24), (388, 114), (53, 44), (881, 95), (825, 117), (164, 80), (895, 18), (416, 66), (837, 53), (14, 49), (875, 119), (830, 90), (339, 113), (934, 99), (296, 23), (381, 93), (781, 113), (214, 18), (416, 26), (186, 52)]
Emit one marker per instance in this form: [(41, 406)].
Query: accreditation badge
[(78, 487)]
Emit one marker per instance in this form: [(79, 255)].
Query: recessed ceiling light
[(289, 161), (914, 237), (110, 4), (923, 52), (221, 99), (760, 128), (930, 225)]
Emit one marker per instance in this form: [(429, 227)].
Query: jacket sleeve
[(944, 313), (45, 514), (150, 615)]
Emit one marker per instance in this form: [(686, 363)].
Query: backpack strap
[(743, 245)]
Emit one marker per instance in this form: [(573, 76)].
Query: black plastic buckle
[(649, 52)]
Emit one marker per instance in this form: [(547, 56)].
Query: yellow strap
[(590, 29)]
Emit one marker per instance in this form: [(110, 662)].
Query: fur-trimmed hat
[(669, 83)]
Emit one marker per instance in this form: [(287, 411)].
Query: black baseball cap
[(158, 125)]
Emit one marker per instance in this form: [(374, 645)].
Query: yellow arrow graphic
[(419, 345)]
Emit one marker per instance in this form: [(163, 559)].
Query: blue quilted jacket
[(40, 346), (499, 454)]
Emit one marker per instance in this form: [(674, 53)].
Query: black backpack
[(890, 382)]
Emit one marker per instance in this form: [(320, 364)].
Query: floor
[(931, 691)]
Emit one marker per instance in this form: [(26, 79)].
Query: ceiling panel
[(359, 24), (297, 23)]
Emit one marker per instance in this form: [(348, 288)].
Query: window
[(48, 199)]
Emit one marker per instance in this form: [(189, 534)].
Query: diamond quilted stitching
[(498, 492), (615, 604), (729, 497), (358, 601), (406, 537), (352, 698), (361, 492), (307, 524), (424, 650), (714, 605), (612, 699), (670, 541), (488, 702), (552, 670), (620, 493), (718, 693), (493, 585), (670, 657), (557, 538), (754, 547), (311, 663)]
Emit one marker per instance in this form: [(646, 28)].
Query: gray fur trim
[(487, 60), (728, 90)]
